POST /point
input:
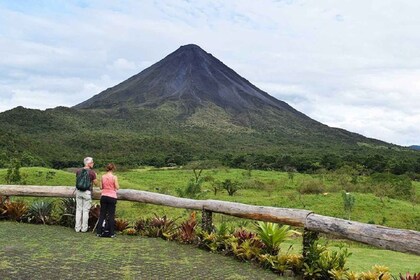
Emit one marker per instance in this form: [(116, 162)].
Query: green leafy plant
[(218, 240), (192, 190), (40, 212), (248, 249), (273, 235), (313, 186), (348, 203), (13, 175), (67, 210), (230, 186), (320, 262)]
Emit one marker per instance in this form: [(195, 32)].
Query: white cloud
[(344, 63)]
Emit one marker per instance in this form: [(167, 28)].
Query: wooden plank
[(383, 237), (294, 217), (407, 241)]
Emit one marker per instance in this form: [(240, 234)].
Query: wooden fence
[(384, 237)]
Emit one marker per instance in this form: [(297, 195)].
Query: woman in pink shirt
[(109, 188)]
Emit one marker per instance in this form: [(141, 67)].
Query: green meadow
[(271, 188)]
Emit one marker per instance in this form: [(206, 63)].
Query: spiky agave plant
[(40, 212)]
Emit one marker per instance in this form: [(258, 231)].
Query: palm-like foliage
[(272, 235)]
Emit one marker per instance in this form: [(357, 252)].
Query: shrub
[(230, 186), (187, 229), (13, 175), (161, 227), (272, 235), (67, 209), (130, 231), (242, 234), (348, 203), (407, 276), (281, 263), (40, 212), (311, 187), (121, 224), (141, 225), (192, 190), (377, 272), (319, 262), (248, 249), (15, 210), (215, 241)]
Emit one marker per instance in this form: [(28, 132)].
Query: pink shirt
[(108, 186)]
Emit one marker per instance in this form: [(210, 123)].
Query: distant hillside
[(187, 106), (415, 147)]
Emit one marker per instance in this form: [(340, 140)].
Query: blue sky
[(349, 64)]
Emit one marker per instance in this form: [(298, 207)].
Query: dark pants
[(107, 212)]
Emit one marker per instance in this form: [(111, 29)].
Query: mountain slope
[(187, 106)]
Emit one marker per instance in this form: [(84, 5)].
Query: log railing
[(384, 237)]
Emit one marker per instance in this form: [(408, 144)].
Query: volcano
[(188, 105), (191, 76)]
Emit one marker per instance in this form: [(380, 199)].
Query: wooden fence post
[(207, 220), (309, 238)]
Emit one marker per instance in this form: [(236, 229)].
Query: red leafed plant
[(15, 210), (416, 276), (242, 235), (121, 224), (187, 229)]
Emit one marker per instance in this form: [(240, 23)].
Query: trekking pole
[(96, 224)]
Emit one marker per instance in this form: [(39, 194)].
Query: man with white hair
[(85, 179)]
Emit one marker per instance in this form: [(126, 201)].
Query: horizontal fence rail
[(407, 241)]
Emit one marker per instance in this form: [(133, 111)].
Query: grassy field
[(265, 188)]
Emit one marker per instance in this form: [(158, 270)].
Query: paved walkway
[(53, 252)]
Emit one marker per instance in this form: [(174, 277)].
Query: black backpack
[(83, 180)]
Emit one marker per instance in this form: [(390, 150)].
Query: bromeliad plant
[(40, 212), (15, 210), (247, 250), (161, 227), (408, 276), (67, 209), (187, 229), (321, 263), (273, 235), (121, 224)]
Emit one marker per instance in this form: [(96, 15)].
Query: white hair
[(87, 160)]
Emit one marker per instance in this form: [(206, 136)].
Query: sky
[(351, 64)]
